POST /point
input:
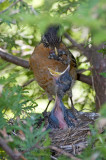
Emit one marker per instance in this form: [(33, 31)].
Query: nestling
[(60, 116)]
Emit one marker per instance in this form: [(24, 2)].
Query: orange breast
[(39, 63)]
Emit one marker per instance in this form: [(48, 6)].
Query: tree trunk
[(98, 63)]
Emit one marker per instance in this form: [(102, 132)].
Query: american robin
[(51, 53), (60, 116)]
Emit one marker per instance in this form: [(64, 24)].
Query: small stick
[(28, 82)]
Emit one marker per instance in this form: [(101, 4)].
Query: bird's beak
[(56, 52), (54, 73), (58, 74)]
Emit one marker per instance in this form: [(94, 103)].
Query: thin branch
[(84, 78), (28, 82), (74, 43), (83, 70), (13, 59), (20, 62), (40, 96), (9, 151), (13, 4)]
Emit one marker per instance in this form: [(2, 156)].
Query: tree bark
[(13, 59), (98, 63)]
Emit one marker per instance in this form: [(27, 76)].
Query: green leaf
[(103, 74)]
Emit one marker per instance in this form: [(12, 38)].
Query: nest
[(74, 140)]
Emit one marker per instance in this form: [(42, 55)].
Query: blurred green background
[(22, 22), (21, 27)]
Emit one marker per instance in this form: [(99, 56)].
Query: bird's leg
[(45, 111), (73, 109), (70, 96), (72, 105)]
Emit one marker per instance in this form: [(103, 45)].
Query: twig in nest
[(63, 152), (69, 147), (52, 157), (53, 148), (89, 115)]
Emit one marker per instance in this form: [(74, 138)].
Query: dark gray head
[(62, 80), (63, 83), (51, 37)]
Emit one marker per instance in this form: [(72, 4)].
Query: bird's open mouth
[(54, 73)]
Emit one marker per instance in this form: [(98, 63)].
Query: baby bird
[(60, 116)]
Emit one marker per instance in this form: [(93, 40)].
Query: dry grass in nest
[(74, 140)]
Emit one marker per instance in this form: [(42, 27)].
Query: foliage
[(103, 74), (21, 31), (97, 142), (18, 122), (21, 27)]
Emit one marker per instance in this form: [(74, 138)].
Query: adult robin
[(51, 53), (60, 116)]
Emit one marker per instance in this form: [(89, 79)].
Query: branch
[(84, 78), (53, 148), (13, 4), (28, 82), (74, 43), (8, 150), (63, 152), (23, 63), (80, 77), (13, 59)]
